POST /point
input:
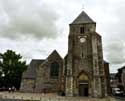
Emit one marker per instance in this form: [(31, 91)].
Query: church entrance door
[(83, 89), (83, 84)]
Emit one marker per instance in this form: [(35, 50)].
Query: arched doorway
[(83, 85)]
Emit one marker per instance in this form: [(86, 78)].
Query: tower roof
[(82, 18)]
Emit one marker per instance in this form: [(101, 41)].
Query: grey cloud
[(35, 18), (116, 30), (28, 17), (109, 15), (115, 67), (114, 52)]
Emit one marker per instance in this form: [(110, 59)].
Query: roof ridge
[(82, 18), (54, 52)]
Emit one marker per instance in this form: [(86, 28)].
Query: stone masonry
[(80, 73)]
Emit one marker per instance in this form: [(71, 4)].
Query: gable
[(30, 73)]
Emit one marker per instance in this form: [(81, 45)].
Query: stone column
[(69, 66), (69, 86)]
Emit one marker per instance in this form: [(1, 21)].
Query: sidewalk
[(47, 97), (29, 96)]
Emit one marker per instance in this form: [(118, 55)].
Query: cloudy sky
[(34, 28)]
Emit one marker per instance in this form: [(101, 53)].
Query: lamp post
[(3, 75)]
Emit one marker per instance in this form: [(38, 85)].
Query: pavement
[(48, 97), (27, 96)]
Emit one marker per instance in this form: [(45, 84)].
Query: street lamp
[(3, 75)]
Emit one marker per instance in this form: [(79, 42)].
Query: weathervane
[(82, 6)]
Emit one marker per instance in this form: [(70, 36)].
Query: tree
[(12, 67)]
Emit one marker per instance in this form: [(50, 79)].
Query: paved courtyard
[(17, 96)]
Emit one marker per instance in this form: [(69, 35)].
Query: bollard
[(13, 97), (31, 98), (108, 98), (40, 99), (22, 97)]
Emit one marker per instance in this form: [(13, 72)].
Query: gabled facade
[(44, 75), (81, 72)]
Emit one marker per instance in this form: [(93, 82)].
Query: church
[(80, 73)]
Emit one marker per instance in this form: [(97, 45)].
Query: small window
[(82, 55), (54, 70), (81, 30)]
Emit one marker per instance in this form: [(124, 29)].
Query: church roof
[(54, 54), (82, 18), (30, 73)]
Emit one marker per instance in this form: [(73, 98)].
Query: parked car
[(117, 92)]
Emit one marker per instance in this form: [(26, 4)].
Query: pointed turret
[(82, 18)]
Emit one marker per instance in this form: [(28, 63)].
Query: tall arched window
[(54, 70)]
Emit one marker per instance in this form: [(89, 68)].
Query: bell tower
[(84, 69)]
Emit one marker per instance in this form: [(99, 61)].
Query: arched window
[(54, 70)]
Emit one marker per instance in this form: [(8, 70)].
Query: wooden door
[(83, 90)]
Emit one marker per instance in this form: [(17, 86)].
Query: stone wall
[(27, 85), (44, 81)]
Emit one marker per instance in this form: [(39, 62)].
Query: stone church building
[(80, 73)]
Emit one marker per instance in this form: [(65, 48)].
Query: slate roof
[(82, 18), (123, 67), (54, 54), (30, 73)]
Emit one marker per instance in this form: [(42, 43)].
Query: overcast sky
[(34, 28)]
